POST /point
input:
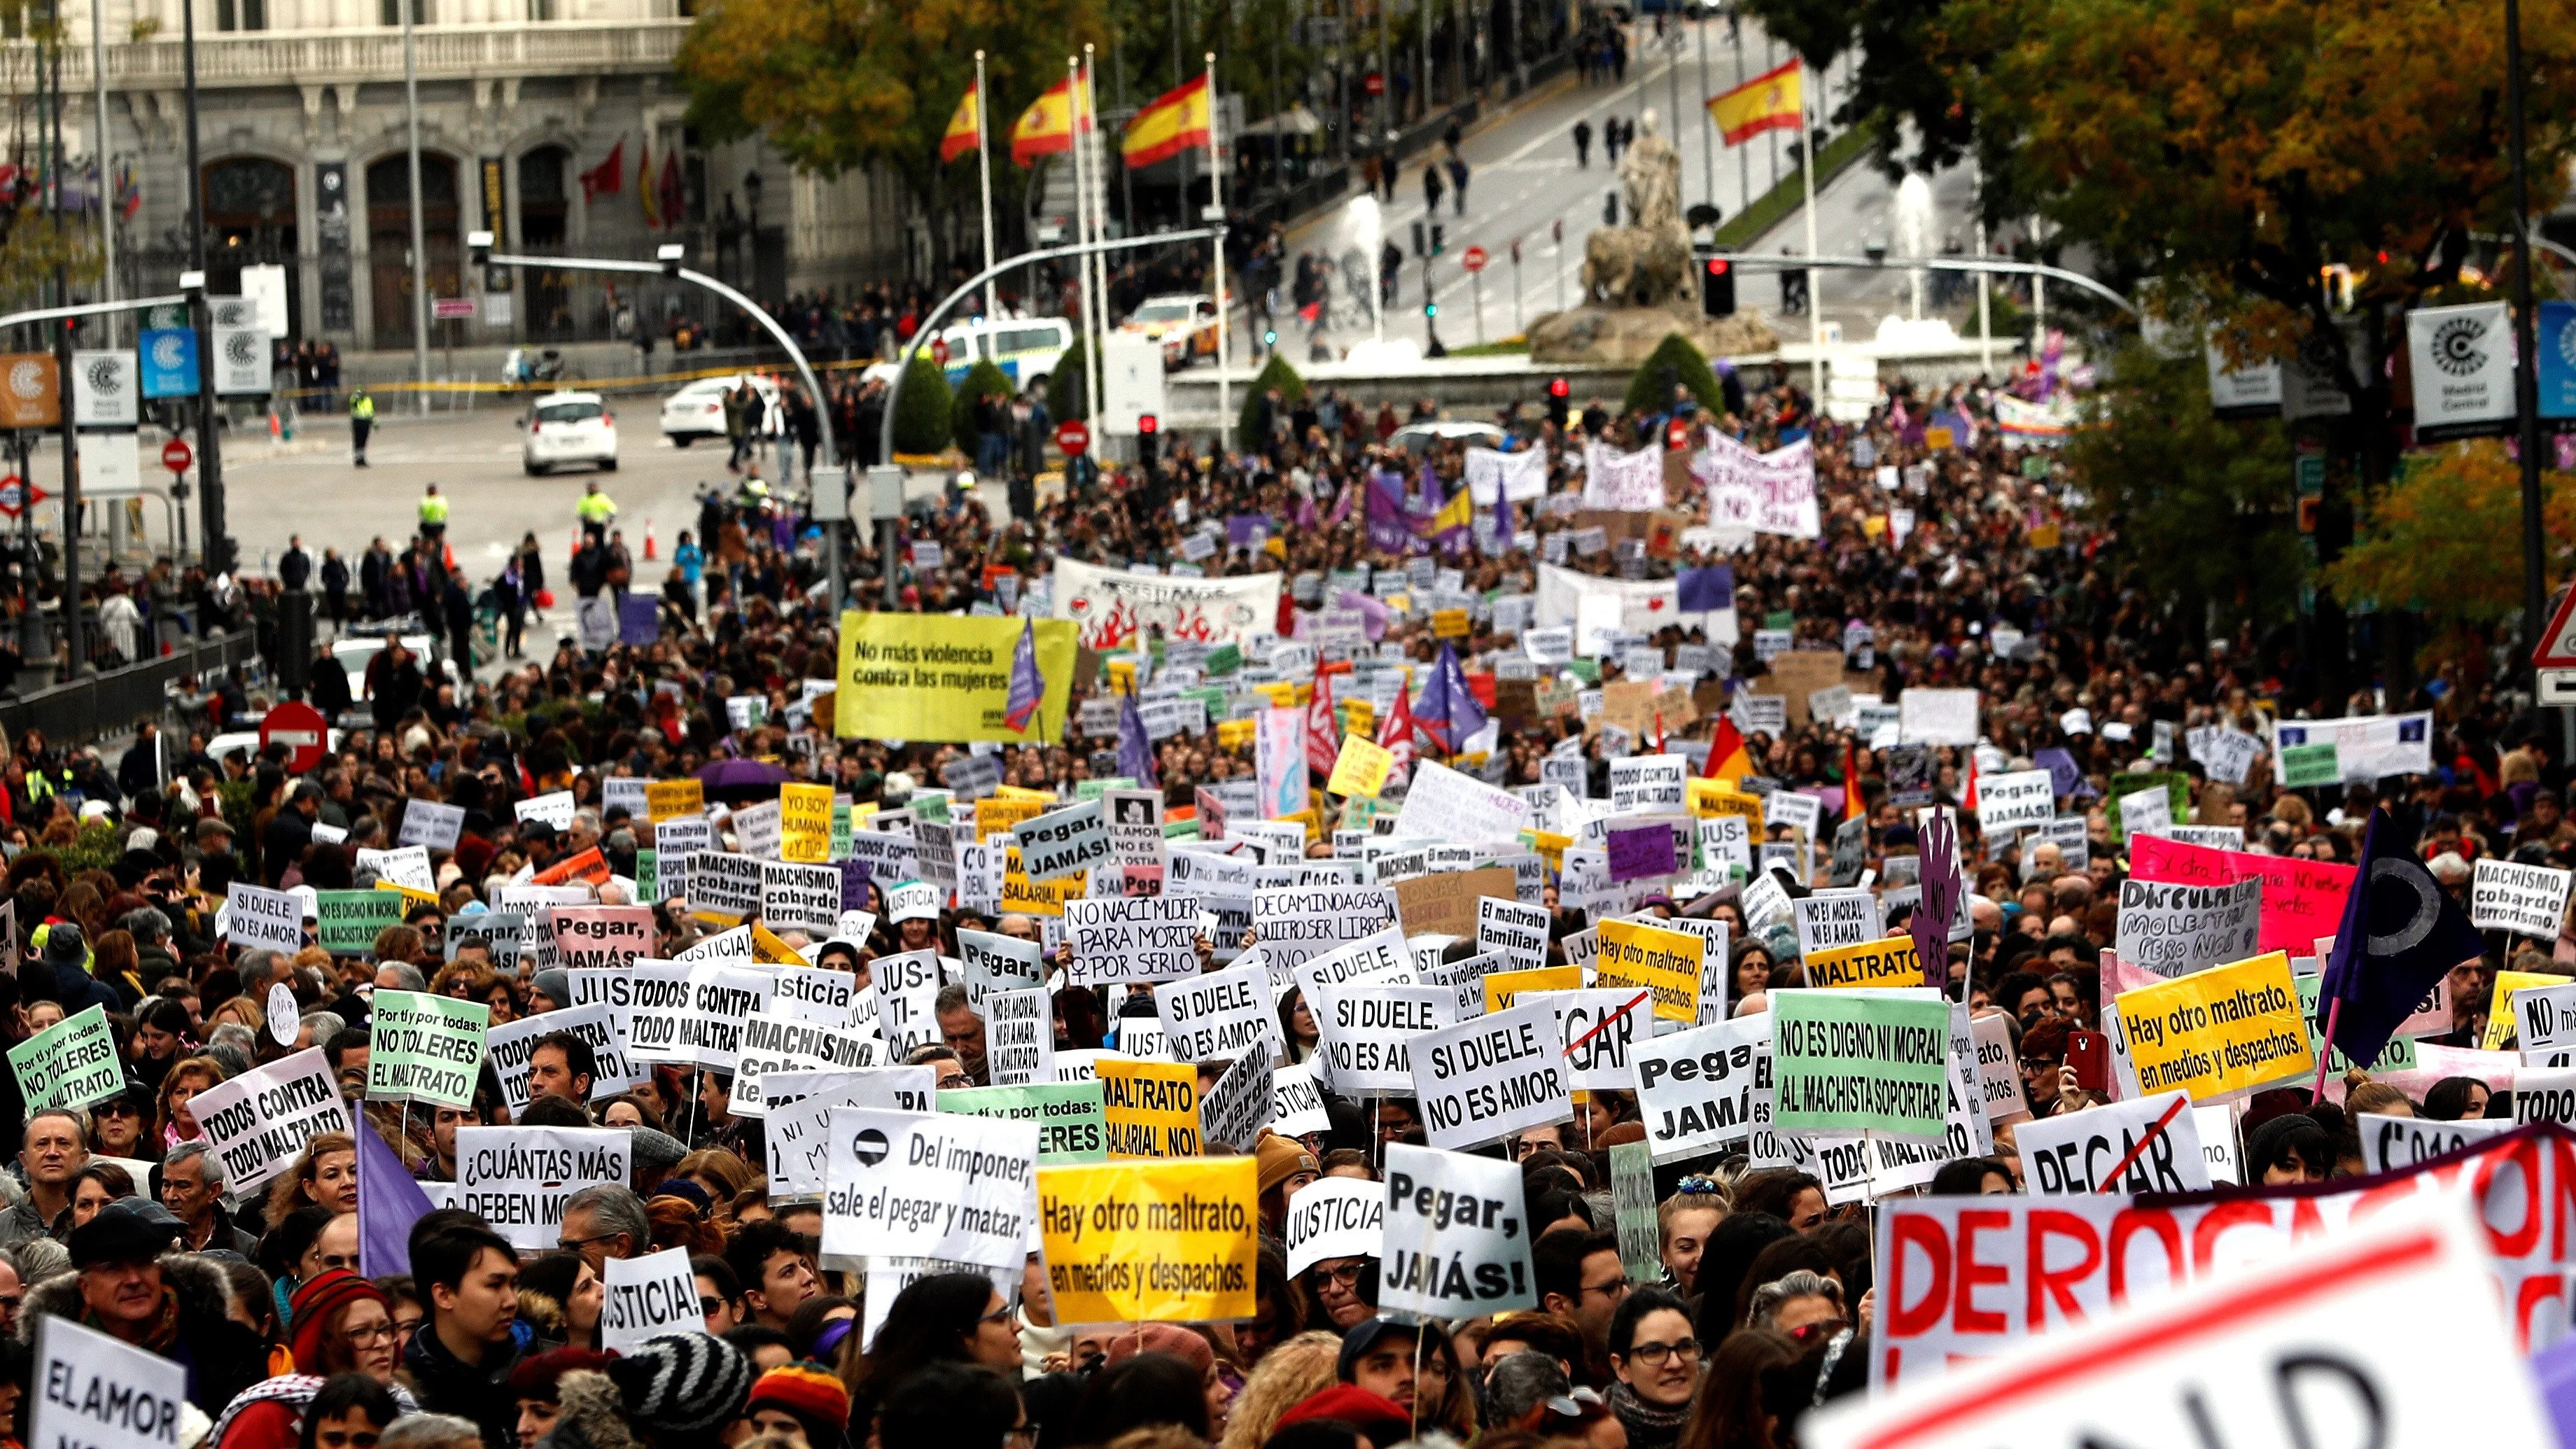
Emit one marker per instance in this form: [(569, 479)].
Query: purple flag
[(2399, 935), (855, 879), (1388, 529), (1373, 611), (1028, 687), (1502, 522), (1448, 706), (1135, 749), (2064, 775), (389, 1202), (1933, 915), (1705, 590), (1644, 851)]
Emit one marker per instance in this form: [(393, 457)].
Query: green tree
[(2430, 543), (2201, 509), (980, 379), (1674, 360), (1069, 386), (923, 419), (1274, 373)]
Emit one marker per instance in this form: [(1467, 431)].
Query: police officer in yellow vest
[(595, 509), (433, 516), (362, 421)]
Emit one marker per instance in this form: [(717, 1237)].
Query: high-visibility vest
[(362, 407), (433, 509)]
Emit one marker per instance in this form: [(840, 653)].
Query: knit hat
[(1281, 1158), (682, 1383), (312, 1307), (64, 946), (1162, 1338), (556, 983), (1374, 1415), (812, 1393)]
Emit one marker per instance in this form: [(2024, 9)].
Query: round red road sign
[(1073, 436), (1474, 260), (176, 455), (1677, 435), (301, 728)]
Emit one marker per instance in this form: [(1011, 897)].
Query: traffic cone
[(273, 433), (575, 550), (650, 552)]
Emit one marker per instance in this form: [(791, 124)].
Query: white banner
[(1455, 1242), (1643, 605), (1114, 607), (1780, 484), (1623, 482), (516, 1178), (1519, 477), (2369, 747)]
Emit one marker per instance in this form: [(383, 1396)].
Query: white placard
[(1334, 1217), (2147, 812), (1364, 1035), (2391, 1143), (1136, 939), (1482, 1080), (641, 1298), (2527, 900), (2175, 930), (510, 1047), (96, 1392), (949, 1186), (257, 1123), (1454, 1241), (1019, 1037), (1832, 918), (1516, 932), (1695, 1088), (1220, 1016), (257, 916), (2014, 801), (1064, 841), (1938, 717), (2072, 1154), (516, 1178)]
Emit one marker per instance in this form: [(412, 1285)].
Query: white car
[(697, 411), (246, 743), (1415, 437), (1185, 324), (571, 427), (355, 655)]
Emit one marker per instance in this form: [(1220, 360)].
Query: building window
[(241, 14), (389, 12), (542, 10)]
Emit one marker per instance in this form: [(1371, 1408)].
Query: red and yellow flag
[(966, 128), (1046, 127), (1175, 122), (1772, 101), (644, 186)]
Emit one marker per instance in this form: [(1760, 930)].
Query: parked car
[(1415, 437), (1184, 323), (571, 427), (697, 411)]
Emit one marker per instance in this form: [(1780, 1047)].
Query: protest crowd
[(1321, 946)]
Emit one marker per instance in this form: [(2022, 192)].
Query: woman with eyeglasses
[(342, 1324), (118, 1125), (1654, 1355), (1342, 1290), (946, 1318)]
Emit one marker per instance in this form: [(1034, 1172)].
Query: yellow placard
[(805, 823), (412, 895), (1871, 963), (1151, 1108), (1550, 846), (1022, 896), (1716, 797), (1135, 1242), (1667, 963), (1122, 675), (767, 949), (1235, 734), (1362, 768), (998, 816), (1938, 438), (2500, 1019), (2222, 1030), (1359, 716), (1285, 694), (946, 677), (1024, 794), (1311, 819), (1502, 986), (674, 799), (1449, 623)]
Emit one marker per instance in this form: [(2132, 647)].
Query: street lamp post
[(2526, 377), (751, 184)]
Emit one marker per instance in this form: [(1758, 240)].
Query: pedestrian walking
[(362, 421), (1458, 182), (1431, 189), (1582, 145)]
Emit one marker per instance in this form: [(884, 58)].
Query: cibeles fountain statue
[(1640, 282)]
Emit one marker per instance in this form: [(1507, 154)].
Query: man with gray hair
[(606, 1221), (1529, 1391), (400, 976), (151, 931), (192, 1188)]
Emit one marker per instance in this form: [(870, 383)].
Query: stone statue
[(1647, 263)]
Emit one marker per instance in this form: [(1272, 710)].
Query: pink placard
[(2302, 899)]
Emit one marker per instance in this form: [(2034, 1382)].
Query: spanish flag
[(966, 128), (1458, 513), (644, 186), (1175, 122), (1046, 127), (1772, 101), (1727, 759)]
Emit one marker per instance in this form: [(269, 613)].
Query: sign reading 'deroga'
[(1334, 1217), (97, 1392), (2015, 800), (1456, 1239), (1138, 939), (2528, 900), (641, 1298), (2076, 1153), (2175, 930), (1064, 841), (1486, 1078), (516, 1178), (1695, 1088)]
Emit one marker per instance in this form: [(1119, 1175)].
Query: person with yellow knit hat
[(801, 1397)]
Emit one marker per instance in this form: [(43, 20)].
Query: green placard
[(1587, 670), (931, 805), (1224, 659), (1072, 1124), (2311, 766), (69, 1064), (1632, 1195), (1848, 1063), (1094, 789), (350, 919), (839, 846), (2177, 786), (648, 877), (425, 1048), (2397, 1056)]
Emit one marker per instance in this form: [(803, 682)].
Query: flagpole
[(1216, 246), (984, 165), (1098, 159), (1093, 338), (1807, 158)]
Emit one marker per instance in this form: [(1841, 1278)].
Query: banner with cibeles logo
[(2461, 359), (30, 390), (107, 390), (241, 361)]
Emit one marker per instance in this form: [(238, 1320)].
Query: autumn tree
[(2435, 537)]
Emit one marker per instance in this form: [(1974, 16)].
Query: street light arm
[(930, 323), (1937, 264), (92, 309)]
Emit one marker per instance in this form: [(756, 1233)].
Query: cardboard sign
[(1482, 1080), (1668, 963), (1695, 1089), (643, 1298), (1334, 1217), (2175, 930), (2224, 1030), (2527, 900), (1137, 939), (98, 1392), (1135, 1242), (516, 1178), (258, 1123), (2076, 1153), (1455, 1244), (425, 1048), (1847, 1062)]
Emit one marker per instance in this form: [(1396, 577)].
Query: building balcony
[(237, 60)]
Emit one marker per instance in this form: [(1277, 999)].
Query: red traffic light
[(1147, 425), (1717, 266), (1557, 387)]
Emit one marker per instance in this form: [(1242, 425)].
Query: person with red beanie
[(808, 1397)]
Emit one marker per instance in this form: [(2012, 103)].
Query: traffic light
[(1419, 249), (1557, 391), (1439, 238), (1717, 288), (1148, 433)]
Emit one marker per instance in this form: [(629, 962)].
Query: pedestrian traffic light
[(1419, 249), (1148, 433), (1439, 238), (1557, 391), (1717, 288), (1269, 336), (1430, 309)]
